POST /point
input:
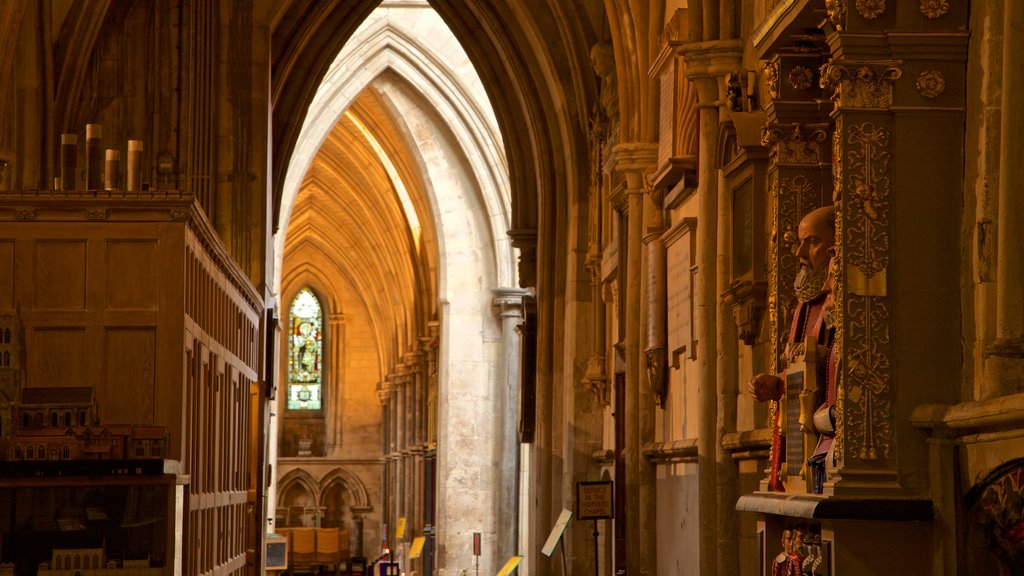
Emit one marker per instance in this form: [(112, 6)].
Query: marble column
[(509, 305), (336, 392)]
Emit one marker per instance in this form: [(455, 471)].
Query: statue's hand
[(766, 387)]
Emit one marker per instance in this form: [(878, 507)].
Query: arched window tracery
[(305, 353)]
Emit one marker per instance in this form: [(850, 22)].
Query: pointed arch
[(351, 484), (299, 478)]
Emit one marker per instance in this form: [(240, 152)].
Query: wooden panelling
[(126, 394), (6, 274), (132, 274), (58, 357), (59, 282)]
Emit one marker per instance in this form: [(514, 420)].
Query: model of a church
[(55, 423)]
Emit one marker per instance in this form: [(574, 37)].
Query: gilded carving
[(867, 200), (870, 9), (867, 378), (794, 143), (789, 199), (930, 84), (838, 316), (934, 8), (836, 10), (864, 322), (837, 160), (859, 85), (801, 77), (775, 344), (771, 78)]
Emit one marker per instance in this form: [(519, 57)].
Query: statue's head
[(816, 235), (602, 58)]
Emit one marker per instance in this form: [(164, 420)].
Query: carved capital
[(525, 239), (860, 84), (795, 143)]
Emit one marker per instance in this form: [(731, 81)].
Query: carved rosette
[(860, 85), (870, 9), (930, 84), (771, 78), (801, 77), (795, 144), (836, 10), (934, 8)]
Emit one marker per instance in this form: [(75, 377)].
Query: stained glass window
[(305, 354)]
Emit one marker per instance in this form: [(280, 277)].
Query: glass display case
[(101, 518)]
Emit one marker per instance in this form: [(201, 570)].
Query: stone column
[(634, 161), (1004, 366), (707, 64), (509, 304), (336, 390)]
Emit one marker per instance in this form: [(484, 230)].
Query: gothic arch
[(302, 478), (351, 483)]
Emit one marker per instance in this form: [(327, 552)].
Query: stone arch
[(351, 483), (290, 489)]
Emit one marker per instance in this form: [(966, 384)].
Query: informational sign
[(400, 529), (556, 532), (276, 552), (594, 500), (510, 566), (417, 547), (476, 544)]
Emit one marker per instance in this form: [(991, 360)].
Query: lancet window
[(305, 354)]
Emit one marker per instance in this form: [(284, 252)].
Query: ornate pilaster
[(798, 138), (863, 175)]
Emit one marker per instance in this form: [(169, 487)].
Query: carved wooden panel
[(59, 274)]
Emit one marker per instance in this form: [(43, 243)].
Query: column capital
[(709, 62), (510, 300)]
